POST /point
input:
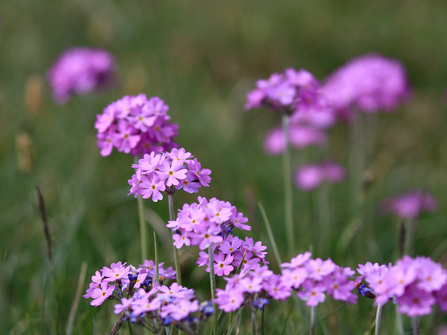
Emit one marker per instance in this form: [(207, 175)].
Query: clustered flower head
[(80, 71), (410, 205), (369, 83), (206, 222), (415, 285), (299, 94), (136, 125), (311, 279), (168, 172), (310, 176), (146, 302)]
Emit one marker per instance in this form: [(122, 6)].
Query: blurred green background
[(201, 57)]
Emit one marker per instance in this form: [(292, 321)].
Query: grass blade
[(74, 306), (270, 233)]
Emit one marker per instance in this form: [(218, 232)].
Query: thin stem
[(143, 240), (213, 287), (324, 218), (313, 319), (74, 306), (253, 323), (230, 321), (378, 319), (409, 238), (176, 258), (415, 325), (399, 323), (270, 233), (288, 209), (157, 270), (130, 327)]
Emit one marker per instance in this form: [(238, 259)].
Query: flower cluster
[(146, 302), (312, 278), (249, 287), (119, 277), (310, 176), (414, 284), (409, 205), (299, 94), (80, 71), (168, 172), (206, 222), (136, 125), (231, 252), (370, 83)]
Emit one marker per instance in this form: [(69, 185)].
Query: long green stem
[(143, 240), (270, 233), (253, 323), (288, 209), (213, 287), (157, 270), (313, 320), (230, 321), (176, 258), (399, 323), (410, 226), (378, 319), (415, 325)]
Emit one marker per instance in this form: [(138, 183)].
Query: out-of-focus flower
[(310, 176), (300, 137), (80, 71), (409, 205), (369, 83)]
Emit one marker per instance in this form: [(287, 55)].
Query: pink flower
[(222, 264), (99, 295), (79, 71)]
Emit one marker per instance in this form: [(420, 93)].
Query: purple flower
[(310, 176), (156, 172), (222, 264), (409, 205), (312, 293), (132, 125), (80, 71), (229, 300), (100, 294), (370, 83)]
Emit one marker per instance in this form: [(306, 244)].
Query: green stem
[(130, 328), (230, 321), (410, 226), (378, 319), (313, 320), (270, 233), (288, 209), (143, 240), (415, 325), (399, 323), (253, 323), (157, 270), (176, 258), (213, 287)]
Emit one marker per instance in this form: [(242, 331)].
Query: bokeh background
[(202, 58)]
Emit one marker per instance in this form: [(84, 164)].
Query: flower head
[(80, 71)]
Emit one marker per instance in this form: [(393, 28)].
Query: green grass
[(201, 58)]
